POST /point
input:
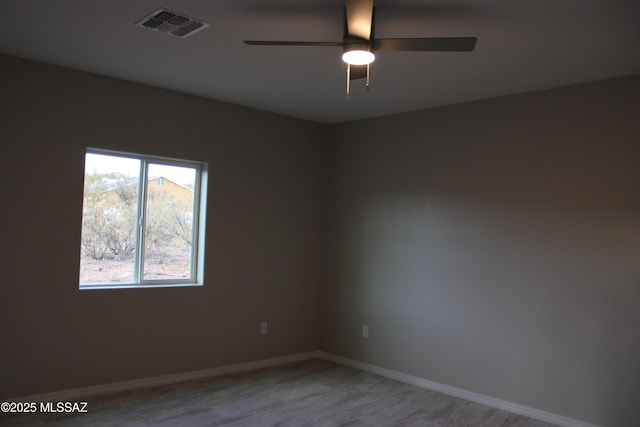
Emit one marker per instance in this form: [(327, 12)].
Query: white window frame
[(198, 227)]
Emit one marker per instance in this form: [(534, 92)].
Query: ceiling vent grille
[(172, 23)]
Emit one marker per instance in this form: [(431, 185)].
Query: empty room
[(320, 213)]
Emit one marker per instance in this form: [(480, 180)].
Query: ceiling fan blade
[(289, 43), (359, 16), (429, 44), (358, 72)]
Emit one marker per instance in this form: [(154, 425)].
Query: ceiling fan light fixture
[(358, 54)]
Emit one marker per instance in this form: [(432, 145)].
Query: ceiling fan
[(359, 44)]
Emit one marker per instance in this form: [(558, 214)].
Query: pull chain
[(368, 80), (368, 84), (348, 79)]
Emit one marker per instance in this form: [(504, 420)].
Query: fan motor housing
[(351, 43)]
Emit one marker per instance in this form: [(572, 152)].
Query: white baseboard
[(77, 394), (458, 392)]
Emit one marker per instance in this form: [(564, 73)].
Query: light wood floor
[(312, 393)]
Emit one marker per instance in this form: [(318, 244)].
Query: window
[(142, 221)]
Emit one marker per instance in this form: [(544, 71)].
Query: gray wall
[(495, 246), (492, 246), (263, 229)]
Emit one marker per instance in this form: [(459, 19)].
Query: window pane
[(108, 219), (168, 222)]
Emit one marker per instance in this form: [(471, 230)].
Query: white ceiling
[(523, 45)]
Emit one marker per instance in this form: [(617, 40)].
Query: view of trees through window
[(137, 220)]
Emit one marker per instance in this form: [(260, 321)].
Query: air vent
[(172, 23)]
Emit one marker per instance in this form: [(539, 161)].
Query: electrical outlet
[(365, 331), (263, 328)]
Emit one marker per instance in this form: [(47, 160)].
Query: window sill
[(138, 286)]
